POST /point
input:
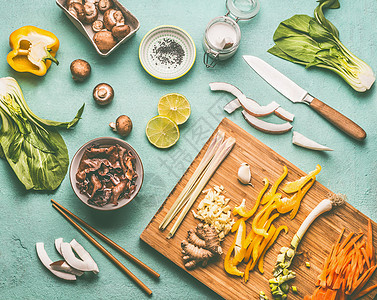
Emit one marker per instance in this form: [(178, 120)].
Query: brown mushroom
[(121, 31), (91, 12), (69, 2), (97, 25), (104, 40), (113, 17), (104, 5), (77, 10), (122, 125), (80, 69), (103, 93)]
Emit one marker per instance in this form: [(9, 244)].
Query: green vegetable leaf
[(31, 145), (293, 26), (275, 50), (320, 17)]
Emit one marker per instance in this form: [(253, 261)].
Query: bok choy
[(32, 146), (315, 42)]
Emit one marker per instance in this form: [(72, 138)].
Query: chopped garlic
[(214, 210)]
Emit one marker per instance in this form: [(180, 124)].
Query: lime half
[(162, 132), (174, 106)]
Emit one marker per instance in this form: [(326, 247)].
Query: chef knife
[(297, 94)]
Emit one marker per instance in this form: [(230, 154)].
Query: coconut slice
[(61, 265), (232, 106), (84, 255), (46, 261), (58, 243), (251, 106), (73, 261), (266, 126), (285, 115), (302, 141)]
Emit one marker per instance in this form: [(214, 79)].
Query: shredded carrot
[(347, 268)]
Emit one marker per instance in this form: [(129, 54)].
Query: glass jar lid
[(242, 9)]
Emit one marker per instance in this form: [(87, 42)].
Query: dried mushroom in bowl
[(107, 174)]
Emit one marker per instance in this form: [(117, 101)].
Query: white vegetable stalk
[(220, 155), (302, 141), (46, 261), (183, 196), (324, 206)]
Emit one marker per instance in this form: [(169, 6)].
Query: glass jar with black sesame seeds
[(223, 35)]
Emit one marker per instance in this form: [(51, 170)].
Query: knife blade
[(297, 94)]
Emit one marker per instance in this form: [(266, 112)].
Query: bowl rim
[(166, 27), (140, 174)]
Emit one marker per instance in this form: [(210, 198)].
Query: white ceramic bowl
[(154, 59), (105, 142)]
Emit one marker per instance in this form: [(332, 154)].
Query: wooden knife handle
[(336, 118)]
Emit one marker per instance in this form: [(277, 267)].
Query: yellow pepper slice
[(33, 49), (268, 196), (252, 262), (272, 240), (247, 214), (294, 186), (229, 267), (264, 215), (301, 193)]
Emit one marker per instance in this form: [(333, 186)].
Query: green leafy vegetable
[(315, 42), (31, 145)]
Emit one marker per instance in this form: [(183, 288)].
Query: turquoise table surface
[(26, 217)]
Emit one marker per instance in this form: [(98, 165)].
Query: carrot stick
[(364, 292), (366, 256), (363, 280)]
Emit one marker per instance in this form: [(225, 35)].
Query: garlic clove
[(244, 174)]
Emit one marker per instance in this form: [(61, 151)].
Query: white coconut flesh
[(46, 261), (266, 126), (285, 115), (58, 243), (84, 255), (73, 261), (251, 106), (232, 106), (302, 141), (61, 265)]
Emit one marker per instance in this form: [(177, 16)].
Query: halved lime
[(162, 132), (174, 106)]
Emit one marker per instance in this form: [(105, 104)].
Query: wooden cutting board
[(264, 162)]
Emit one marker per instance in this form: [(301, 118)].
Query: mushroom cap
[(123, 125), (108, 19), (91, 12), (103, 93), (80, 69), (97, 25), (104, 40), (77, 10), (104, 5), (120, 31), (69, 2)]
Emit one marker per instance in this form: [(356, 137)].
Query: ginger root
[(201, 245)]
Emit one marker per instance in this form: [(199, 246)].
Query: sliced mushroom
[(91, 12), (103, 93), (104, 40), (97, 25), (104, 5), (121, 31), (95, 2), (77, 10)]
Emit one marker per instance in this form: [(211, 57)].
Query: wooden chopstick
[(107, 240), (104, 251)]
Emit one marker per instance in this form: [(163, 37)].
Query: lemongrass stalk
[(183, 196), (220, 155)]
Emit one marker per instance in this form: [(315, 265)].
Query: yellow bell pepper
[(294, 186), (268, 196), (33, 49), (229, 267)]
